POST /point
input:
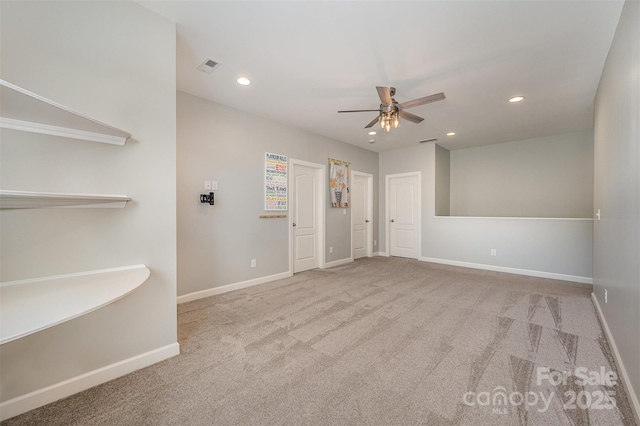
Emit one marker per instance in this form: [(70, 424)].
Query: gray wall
[(114, 61), (617, 191), (555, 246), (216, 243), (443, 181), (544, 177)]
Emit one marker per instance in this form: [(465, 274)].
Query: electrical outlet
[(253, 263), (494, 252), (207, 185), (375, 242), (330, 249), (344, 211), (605, 295)]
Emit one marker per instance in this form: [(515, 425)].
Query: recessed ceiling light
[(451, 134), (372, 141), (243, 81), (516, 99), (372, 133)]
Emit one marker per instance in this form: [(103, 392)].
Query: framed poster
[(275, 182), (339, 183)]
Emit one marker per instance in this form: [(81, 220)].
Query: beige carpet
[(381, 341)]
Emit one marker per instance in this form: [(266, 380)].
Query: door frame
[(387, 228), (368, 209), (320, 208)]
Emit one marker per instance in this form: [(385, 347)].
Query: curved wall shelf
[(29, 112), (29, 306), (43, 200)]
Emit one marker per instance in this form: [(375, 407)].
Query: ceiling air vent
[(208, 65), (429, 140)]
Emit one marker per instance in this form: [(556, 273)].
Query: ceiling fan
[(390, 111)]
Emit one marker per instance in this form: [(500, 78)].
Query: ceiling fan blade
[(385, 95), (373, 122), (361, 110), (422, 101), (411, 117)]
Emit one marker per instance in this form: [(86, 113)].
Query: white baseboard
[(35, 399), (338, 262), (231, 287), (633, 398), (528, 272), (381, 253)]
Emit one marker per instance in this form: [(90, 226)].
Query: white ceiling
[(309, 59)]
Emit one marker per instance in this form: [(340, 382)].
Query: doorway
[(361, 214), (307, 215), (403, 214)]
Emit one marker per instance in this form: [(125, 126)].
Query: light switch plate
[(207, 185), (214, 185)]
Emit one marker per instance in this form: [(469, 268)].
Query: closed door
[(404, 216), (361, 213), (305, 218)]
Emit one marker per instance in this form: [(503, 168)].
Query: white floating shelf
[(29, 112), (29, 306), (43, 200)]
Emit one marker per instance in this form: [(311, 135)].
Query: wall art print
[(275, 182), (339, 183)]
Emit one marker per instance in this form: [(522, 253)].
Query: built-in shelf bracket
[(29, 306), (26, 111), (43, 200)]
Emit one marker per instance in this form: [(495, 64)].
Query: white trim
[(560, 219), (65, 132), (40, 397), (369, 210), (231, 287), (635, 403), (338, 262), (509, 270), (321, 207), (377, 253), (387, 178)]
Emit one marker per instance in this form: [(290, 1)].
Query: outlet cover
[(207, 185), (253, 263)]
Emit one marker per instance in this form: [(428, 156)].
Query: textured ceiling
[(309, 59)]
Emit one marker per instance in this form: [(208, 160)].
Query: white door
[(404, 215), (305, 218), (361, 214)]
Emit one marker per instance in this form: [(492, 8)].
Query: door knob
[(392, 220), (294, 224), (366, 221)]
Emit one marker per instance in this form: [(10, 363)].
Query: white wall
[(617, 192), (114, 61), (217, 243), (543, 177), (560, 248)]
